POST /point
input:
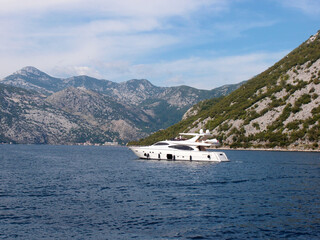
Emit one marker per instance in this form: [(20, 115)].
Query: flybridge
[(201, 133), (201, 138)]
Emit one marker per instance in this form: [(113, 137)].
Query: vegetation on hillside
[(286, 94), (175, 129)]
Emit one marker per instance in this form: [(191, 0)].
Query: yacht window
[(181, 147), (202, 148), (160, 143)]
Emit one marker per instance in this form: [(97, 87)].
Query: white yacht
[(182, 149)]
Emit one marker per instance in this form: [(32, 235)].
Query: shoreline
[(213, 148), (269, 149)]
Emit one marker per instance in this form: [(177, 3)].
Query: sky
[(199, 43)]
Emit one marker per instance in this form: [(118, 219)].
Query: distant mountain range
[(278, 109), (38, 108)]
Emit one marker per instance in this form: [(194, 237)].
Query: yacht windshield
[(181, 147), (160, 143)]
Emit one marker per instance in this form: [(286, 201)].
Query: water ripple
[(69, 192)]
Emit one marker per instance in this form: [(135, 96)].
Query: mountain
[(67, 117), (33, 79), (26, 118), (279, 108), (134, 91), (101, 111), (90, 109)]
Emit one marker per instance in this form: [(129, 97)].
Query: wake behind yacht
[(182, 149)]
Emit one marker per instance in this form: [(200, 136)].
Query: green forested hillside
[(279, 108)]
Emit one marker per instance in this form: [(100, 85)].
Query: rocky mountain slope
[(89, 109), (134, 91), (26, 118), (66, 117), (101, 111), (279, 108)]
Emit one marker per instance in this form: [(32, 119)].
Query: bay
[(86, 192)]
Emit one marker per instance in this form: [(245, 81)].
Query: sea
[(90, 192)]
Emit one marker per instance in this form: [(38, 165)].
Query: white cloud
[(128, 8), (309, 7), (215, 72), (124, 39), (77, 32), (236, 29), (121, 26), (196, 72), (67, 71)]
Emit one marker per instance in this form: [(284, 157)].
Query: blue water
[(77, 192)]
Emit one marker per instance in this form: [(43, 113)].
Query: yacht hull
[(179, 155)]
